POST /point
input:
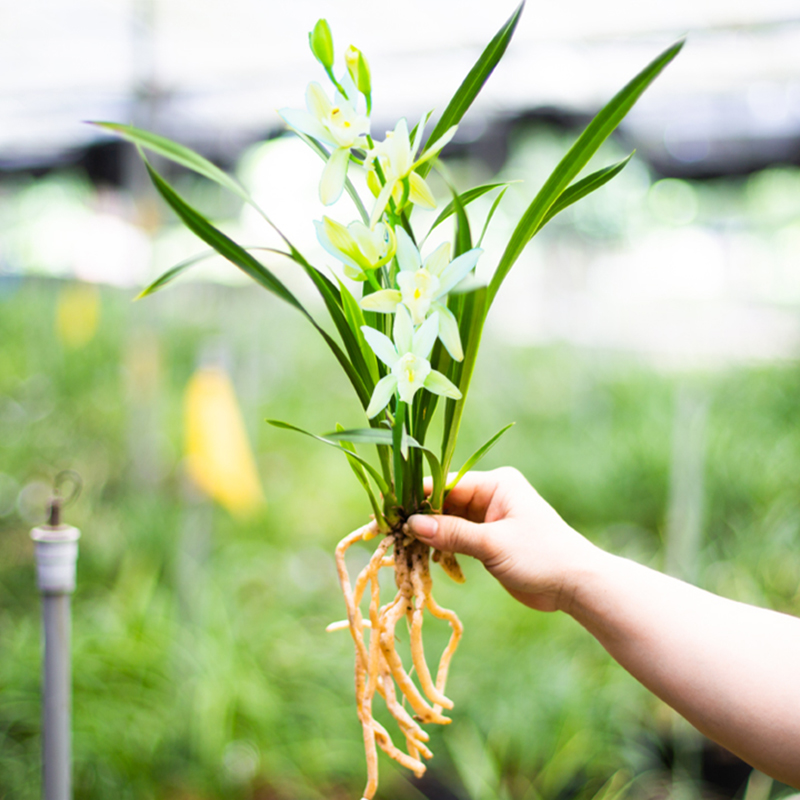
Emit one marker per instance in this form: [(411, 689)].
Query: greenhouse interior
[(646, 347)]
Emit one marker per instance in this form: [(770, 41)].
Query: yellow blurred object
[(77, 314), (218, 455)]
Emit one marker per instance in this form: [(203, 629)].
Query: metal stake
[(56, 557)]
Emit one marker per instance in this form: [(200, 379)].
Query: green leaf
[(463, 237), (178, 153), (333, 302), (491, 214), (598, 130), (383, 436), (238, 256), (361, 474), (178, 269), (337, 440), (186, 157), (471, 330), (473, 83), (476, 457), (466, 198), (355, 319), (583, 187)]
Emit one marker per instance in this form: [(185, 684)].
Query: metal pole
[(56, 557)]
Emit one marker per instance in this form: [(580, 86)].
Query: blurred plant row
[(201, 664)]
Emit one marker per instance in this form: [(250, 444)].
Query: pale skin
[(731, 669)]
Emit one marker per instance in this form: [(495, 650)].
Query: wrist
[(584, 577)]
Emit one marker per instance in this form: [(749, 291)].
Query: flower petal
[(354, 274), (425, 336), (382, 394), (408, 258), (384, 302), (448, 331), (333, 176), (399, 149), (419, 133), (403, 331), (381, 345), (411, 372), (437, 383), (458, 269), (317, 101), (420, 193), (438, 260), (437, 146), (380, 203), (306, 123), (326, 236)]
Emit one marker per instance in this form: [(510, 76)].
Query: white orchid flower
[(407, 358), (339, 126), (395, 156), (423, 285), (356, 246)]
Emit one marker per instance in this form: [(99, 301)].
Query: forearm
[(731, 669)]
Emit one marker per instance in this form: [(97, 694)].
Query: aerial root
[(378, 665)]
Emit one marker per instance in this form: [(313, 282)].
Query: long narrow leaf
[(473, 83), (383, 436), (223, 244), (337, 440), (355, 319), (476, 457), (361, 475), (598, 130), (472, 326), (463, 237), (174, 272), (466, 198), (186, 157), (489, 216), (582, 188), (333, 302), (238, 256)]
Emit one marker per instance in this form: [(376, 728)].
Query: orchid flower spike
[(395, 155), (356, 246), (423, 286), (407, 358), (339, 126)]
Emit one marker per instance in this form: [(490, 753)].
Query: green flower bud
[(321, 43), (359, 70)]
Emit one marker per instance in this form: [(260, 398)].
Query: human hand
[(500, 519)]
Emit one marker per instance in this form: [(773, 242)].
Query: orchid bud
[(321, 43), (359, 70)]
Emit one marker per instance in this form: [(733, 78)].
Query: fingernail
[(423, 525)]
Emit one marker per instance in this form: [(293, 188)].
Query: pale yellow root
[(343, 624), (364, 700), (364, 688), (417, 652), (353, 613), (405, 721), (407, 687), (378, 665), (455, 636), (386, 744)]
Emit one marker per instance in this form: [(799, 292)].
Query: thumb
[(450, 534)]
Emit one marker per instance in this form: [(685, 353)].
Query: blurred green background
[(201, 665), (646, 346)]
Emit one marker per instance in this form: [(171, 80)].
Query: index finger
[(471, 496)]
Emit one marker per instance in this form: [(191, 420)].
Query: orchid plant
[(408, 322)]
